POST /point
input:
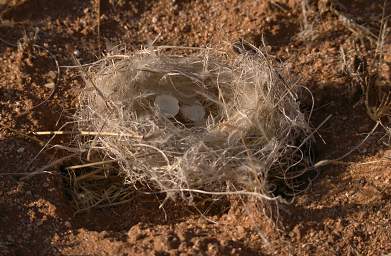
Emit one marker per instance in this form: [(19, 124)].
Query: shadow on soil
[(347, 128), (33, 10)]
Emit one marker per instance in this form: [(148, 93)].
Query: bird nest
[(204, 122)]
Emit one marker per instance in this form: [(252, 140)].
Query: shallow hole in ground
[(106, 203)]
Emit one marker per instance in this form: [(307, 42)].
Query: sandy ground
[(346, 210)]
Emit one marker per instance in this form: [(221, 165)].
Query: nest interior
[(206, 122)]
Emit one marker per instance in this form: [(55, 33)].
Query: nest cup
[(203, 122)]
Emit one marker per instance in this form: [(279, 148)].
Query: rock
[(68, 225), (173, 241), (49, 85), (52, 75), (76, 53), (296, 232), (186, 28)]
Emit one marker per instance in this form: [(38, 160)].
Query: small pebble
[(68, 224), (187, 28), (76, 53), (49, 85), (52, 74)]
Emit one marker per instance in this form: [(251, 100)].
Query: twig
[(74, 167), (97, 206), (350, 22), (338, 160), (98, 20), (227, 193), (312, 133), (86, 133), (40, 170)]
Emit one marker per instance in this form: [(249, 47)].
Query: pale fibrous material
[(204, 121)]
